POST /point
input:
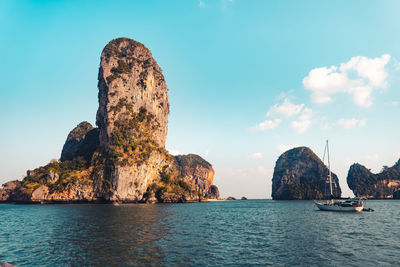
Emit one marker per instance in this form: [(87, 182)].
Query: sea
[(221, 233)]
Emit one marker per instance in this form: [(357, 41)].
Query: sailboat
[(348, 205)]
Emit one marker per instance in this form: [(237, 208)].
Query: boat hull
[(329, 207)]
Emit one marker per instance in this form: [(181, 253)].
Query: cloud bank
[(358, 77)]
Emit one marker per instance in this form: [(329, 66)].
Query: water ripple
[(236, 233)]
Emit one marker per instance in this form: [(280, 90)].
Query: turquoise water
[(234, 233)]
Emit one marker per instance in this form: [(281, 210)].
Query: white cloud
[(372, 69), (202, 4), (351, 123), (287, 109), (256, 155), (344, 123), (266, 125), (357, 77), (174, 152), (302, 124), (395, 103), (284, 148), (284, 95)]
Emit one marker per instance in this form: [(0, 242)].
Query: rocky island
[(299, 174), (364, 183), (124, 159)]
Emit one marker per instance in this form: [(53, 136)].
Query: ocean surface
[(228, 233)]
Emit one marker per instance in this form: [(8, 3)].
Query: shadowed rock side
[(82, 141), (300, 174), (74, 140), (124, 159), (364, 183)]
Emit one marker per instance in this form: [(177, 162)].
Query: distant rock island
[(124, 159), (300, 174), (364, 183)]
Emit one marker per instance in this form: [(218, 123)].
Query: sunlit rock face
[(130, 80), (132, 117)]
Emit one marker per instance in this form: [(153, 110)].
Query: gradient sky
[(247, 80)]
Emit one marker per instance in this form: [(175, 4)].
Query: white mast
[(329, 168), (326, 151)]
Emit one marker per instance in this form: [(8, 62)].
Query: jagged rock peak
[(80, 131), (300, 174), (130, 81), (74, 140), (364, 183)]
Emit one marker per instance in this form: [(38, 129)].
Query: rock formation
[(199, 173), (364, 183), (8, 190), (74, 140), (124, 159), (300, 174)]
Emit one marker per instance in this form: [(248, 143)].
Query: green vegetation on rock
[(122, 68), (131, 139)]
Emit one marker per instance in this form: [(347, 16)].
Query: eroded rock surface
[(200, 174), (130, 80), (300, 174), (74, 140), (366, 184)]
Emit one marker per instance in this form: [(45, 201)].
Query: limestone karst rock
[(199, 173), (132, 117), (124, 159), (74, 140), (130, 81), (300, 174), (366, 184), (7, 191)]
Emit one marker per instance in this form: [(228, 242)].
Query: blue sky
[(246, 79)]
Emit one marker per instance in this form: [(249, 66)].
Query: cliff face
[(132, 117), (199, 173), (130, 81), (8, 190), (124, 159), (300, 174), (382, 185)]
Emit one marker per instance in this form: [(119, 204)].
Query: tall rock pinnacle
[(130, 80), (124, 159)]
